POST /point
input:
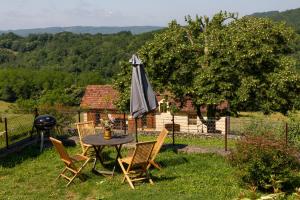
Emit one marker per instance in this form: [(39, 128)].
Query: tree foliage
[(246, 61)]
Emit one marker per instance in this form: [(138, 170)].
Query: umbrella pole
[(173, 129), (136, 134)]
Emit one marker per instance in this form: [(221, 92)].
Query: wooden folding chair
[(137, 163), (159, 142), (84, 129), (70, 162)]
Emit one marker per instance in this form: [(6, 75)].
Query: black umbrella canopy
[(142, 98)]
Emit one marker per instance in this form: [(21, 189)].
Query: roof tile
[(99, 97)]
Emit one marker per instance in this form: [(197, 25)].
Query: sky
[(22, 14)]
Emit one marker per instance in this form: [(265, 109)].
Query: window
[(97, 118), (192, 119)]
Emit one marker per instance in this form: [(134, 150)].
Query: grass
[(4, 106), (31, 175), (257, 122), (259, 116), (18, 126), (197, 141)]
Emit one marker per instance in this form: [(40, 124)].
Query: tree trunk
[(211, 118)]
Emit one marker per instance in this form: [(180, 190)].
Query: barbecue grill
[(43, 124)]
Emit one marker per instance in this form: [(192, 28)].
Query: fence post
[(286, 134), (226, 131), (36, 112), (6, 132), (173, 129), (124, 123)]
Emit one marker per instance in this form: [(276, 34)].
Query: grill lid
[(44, 122)]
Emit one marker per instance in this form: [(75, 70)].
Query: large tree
[(245, 61)]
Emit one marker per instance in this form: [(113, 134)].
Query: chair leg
[(123, 169), (78, 171), (65, 169), (125, 174), (85, 151), (129, 181), (149, 177), (84, 164), (72, 179), (152, 162)]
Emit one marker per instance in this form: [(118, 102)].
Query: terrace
[(30, 174), (196, 167)]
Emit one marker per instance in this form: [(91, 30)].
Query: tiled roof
[(99, 97), (103, 96)]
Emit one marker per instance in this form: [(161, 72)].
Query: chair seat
[(126, 160), (137, 163), (71, 171), (79, 157), (87, 145)]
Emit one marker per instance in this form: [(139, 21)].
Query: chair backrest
[(142, 153), (85, 128), (159, 142), (61, 151)]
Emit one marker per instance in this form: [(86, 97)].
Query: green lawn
[(31, 175), (259, 116), (198, 141), (19, 127), (4, 106)]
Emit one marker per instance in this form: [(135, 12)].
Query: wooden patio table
[(98, 143)]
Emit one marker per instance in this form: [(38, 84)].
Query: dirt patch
[(193, 149)]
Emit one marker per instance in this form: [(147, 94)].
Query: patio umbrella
[(142, 98)]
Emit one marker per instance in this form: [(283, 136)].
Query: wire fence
[(240, 126), (14, 128), (289, 131), (19, 126)]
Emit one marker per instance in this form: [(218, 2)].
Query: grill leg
[(42, 141)]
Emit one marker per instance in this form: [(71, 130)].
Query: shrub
[(265, 162), (260, 127), (294, 134), (294, 130)]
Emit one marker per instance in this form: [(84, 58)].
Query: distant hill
[(84, 29), (291, 17)]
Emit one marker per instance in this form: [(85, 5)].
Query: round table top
[(98, 140)]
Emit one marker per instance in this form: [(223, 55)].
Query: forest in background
[(292, 18), (55, 68), (84, 29)]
